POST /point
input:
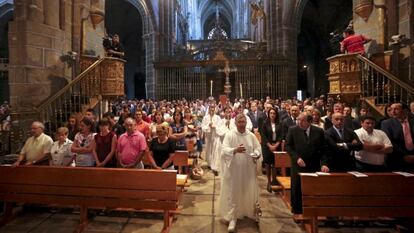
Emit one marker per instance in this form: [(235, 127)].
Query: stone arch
[(150, 26), (207, 8)]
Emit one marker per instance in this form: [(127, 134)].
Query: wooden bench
[(343, 194), (90, 188), (282, 161)]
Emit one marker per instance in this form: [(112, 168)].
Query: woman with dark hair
[(83, 144), (178, 130), (105, 145), (73, 127), (271, 141), (388, 115)]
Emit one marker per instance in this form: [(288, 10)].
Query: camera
[(107, 41)]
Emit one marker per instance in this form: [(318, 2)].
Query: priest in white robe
[(241, 155), (210, 124)]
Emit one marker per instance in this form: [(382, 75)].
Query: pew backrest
[(343, 194)]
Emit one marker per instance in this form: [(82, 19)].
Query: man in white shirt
[(36, 150), (376, 145)]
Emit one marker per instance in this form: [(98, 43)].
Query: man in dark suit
[(255, 115), (320, 105), (284, 111), (307, 147), (400, 130), (342, 143), (338, 108), (291, 120)]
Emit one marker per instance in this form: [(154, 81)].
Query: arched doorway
[(319, 19), (125, 19), (6, 15)]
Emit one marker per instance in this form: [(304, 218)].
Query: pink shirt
[(130, 146)]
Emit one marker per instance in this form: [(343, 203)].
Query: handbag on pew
[(197, 172)]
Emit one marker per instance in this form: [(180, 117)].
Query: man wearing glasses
[(36, 150)]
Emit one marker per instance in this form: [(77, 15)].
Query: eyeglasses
[(83, 143)]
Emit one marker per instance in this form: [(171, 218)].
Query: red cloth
[(354, 44), (103, 147)]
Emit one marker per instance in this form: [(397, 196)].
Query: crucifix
[(226, 71)]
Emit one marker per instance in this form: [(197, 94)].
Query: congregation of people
[(320, 135)]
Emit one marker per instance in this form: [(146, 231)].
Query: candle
[(211, 87), (241, 90)]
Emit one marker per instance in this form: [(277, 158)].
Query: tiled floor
[(198, 216)]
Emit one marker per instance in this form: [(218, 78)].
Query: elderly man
[(342, 143), (240, 156), (131, 146), (36, 150), (376, 146), (306, 146)]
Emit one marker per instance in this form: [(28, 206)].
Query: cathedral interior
[(52, 58)]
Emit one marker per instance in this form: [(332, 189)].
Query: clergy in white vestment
[(241, 155), (211, 122)]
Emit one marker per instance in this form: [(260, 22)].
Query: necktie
[(341, 133), (407, 136), (306, 135)]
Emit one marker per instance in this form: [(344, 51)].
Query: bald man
[(36, 150), (342, 142)]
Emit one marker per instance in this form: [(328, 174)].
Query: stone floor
[(199, 215)]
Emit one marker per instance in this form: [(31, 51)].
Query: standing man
[(241, 155), (114, 49), (255, 116), (400, 130), (209, 125), (342, 143), (131, 146), (353, 43), (291, 120), (376, 146), (307, 147), (36, 150)]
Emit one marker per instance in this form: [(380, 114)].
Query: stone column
[(36, 71)]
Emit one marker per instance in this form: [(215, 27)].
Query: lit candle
[(211, 87), (241, 90)]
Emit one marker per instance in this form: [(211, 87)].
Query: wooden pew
[(343, 194), (180, 160), (90, 188), (282, 161)]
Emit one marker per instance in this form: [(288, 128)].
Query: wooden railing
[(382, 86), (104, 77)]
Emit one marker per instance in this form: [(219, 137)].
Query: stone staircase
[(100, 80), (355, 80)]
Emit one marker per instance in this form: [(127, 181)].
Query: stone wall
[(389, 17)]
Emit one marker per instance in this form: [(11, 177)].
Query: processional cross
[(227, 70)]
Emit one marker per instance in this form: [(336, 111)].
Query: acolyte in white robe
[(213, 142), (239, 192)]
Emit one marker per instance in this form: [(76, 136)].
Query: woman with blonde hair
[(60, 151), (162, 148)]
